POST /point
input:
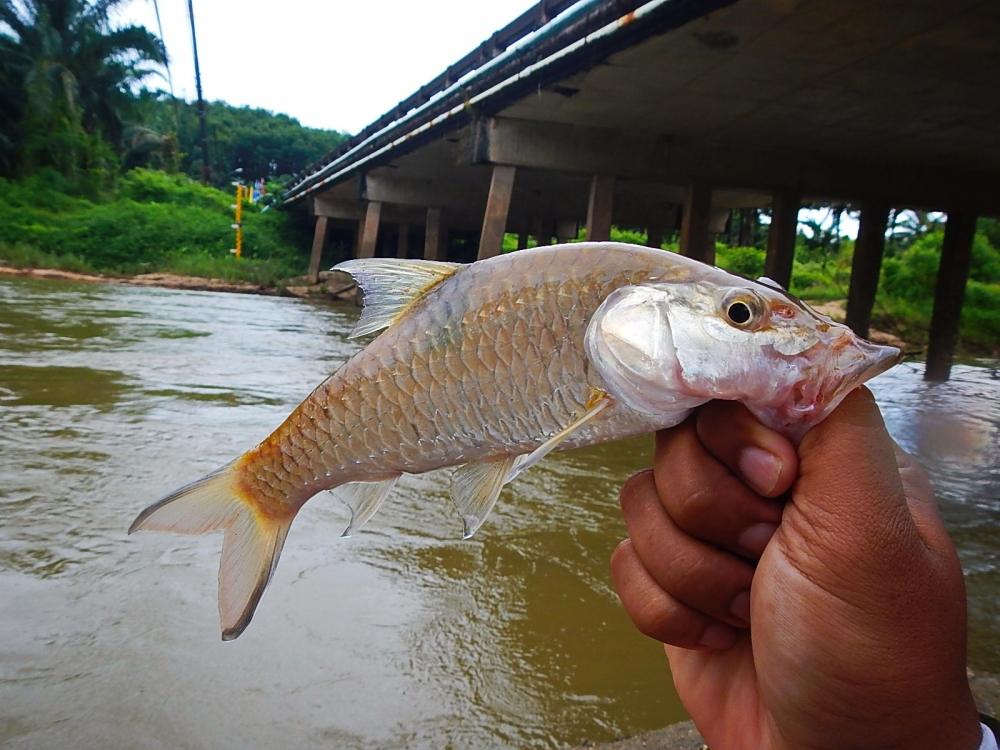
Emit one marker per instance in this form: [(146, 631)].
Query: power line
[(206, 170)]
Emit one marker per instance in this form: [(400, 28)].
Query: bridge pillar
[(403, 241), (748, 225), (599, 208), (866, 265), (953, 272), (696, 240), (781, 237), (542, 230), (433, 235), (319, 242), (654, 235), (369, 230), (497, 206)]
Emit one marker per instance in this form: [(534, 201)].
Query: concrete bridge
[(668, 114)]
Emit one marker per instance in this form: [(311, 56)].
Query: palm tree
[(66, 75)]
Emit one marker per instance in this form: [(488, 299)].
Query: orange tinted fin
[(251, 543)]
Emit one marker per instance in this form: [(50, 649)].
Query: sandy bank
[(331, 284)]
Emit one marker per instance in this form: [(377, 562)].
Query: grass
[(151, 222)]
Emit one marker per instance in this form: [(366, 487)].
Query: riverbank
[(684, 736), (332, 284), (335, 285)]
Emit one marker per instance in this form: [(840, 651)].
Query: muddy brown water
[(403, 636)]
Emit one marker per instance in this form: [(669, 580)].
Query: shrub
[(150, 223), (746, 261)]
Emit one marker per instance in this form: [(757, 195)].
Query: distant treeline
[(261, 143), (73, 99)]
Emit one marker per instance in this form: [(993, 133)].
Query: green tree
[(263, 144), (66, 74)]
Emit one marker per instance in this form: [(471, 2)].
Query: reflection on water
[(401, 636)]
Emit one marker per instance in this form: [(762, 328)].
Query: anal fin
[(364, 499)]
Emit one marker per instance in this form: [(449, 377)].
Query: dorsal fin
[(390, 286)]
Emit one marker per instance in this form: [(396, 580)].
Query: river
[(402, 636)]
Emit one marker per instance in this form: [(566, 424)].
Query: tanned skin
[(853, 634)]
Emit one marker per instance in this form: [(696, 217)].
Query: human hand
[(853, 634)]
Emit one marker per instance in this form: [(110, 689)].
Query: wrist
[(959, 731)]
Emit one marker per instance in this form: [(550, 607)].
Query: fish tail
[(251, 544)]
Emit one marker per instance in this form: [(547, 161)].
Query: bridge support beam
[(654, 235), (599, 208), (953, 273), (696, 237), (319, 242), (497, 207), (434, 235), (781, 237), (403, 241), (866, 266), (543, 230), (369, 230)]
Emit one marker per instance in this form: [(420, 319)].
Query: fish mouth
[(867, 361)]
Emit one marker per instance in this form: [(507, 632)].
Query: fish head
[(663, 347)]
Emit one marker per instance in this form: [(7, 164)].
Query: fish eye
[(739, 313), (742, 310)]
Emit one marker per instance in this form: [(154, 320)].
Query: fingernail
[(755, 538), (760, 468), (740, 607), (718, 637)]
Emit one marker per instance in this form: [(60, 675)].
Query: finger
[(657, 614), (696, 574), (849, 483), (919, 494), (706, 500), (765, 459)]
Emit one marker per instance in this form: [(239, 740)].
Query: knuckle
[(692, 507), (632, 490), (665, 621), (620, 555)]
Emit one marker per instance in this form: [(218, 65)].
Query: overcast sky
[(329, 63)]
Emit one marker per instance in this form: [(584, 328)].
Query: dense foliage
[(260, 143), (65, 84), (821, 272), (905, 298), (153, 222)]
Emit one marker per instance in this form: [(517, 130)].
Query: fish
[(490, 366)]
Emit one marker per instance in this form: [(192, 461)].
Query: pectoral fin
[(476, 487), (598, 402), (364, 499)]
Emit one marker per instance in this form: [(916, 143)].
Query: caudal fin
[(250, 547)]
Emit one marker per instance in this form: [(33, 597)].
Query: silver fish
[(492, 365)]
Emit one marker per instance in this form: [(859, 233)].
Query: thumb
[(849, 480)]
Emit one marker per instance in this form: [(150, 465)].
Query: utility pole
[(206, 170)]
